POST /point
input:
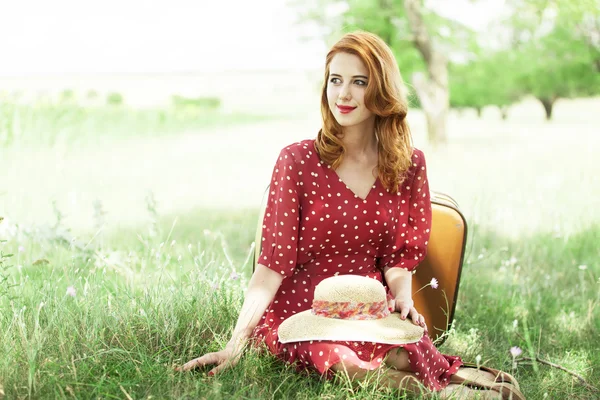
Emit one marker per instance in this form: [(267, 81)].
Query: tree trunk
[(479, 111), (433, 90), (436, 128), (548, 103)]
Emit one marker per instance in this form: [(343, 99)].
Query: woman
[(355, 200)]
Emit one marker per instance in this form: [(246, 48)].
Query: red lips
[(345, 109)]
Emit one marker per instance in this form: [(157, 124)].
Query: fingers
[(223, 361), (404, 311), (224, 365), (416, 318), (210, 358), (403, 307)]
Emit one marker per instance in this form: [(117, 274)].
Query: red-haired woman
[(355, 200)]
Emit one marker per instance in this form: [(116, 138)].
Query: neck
[(360, 141)]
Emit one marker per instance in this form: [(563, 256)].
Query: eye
[(334, 80), (360, 82)]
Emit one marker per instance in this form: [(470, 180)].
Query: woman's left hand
[(406, 307)]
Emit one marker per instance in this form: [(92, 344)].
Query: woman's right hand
[(261, 290), (224, 359)]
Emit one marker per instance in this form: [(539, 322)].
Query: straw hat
[(349, 308)]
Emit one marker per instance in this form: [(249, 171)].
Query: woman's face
[(346, 86)]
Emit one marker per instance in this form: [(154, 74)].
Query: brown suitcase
[(443, 262)]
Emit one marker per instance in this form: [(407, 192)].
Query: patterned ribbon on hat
[(350, 310)]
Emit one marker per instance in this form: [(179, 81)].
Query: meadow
[(130, 252)]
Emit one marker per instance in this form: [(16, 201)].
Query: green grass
[(155, 296), (44, 124)]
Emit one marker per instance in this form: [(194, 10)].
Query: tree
[(432, 89), (419, 38), (557, 45), (558, 67), (491, 79)]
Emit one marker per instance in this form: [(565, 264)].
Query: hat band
[(350, 310)]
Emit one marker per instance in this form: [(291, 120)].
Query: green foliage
[(198, 103), (153, 296), (45, 124), (67, 96), (143, 303), (557, 48), (554, 51), (489, 80), (195, 105), (114, 99), (383, 21), (558, 65), (387, 19), (4, 283)]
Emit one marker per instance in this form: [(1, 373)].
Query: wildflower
[(582, 267), (71, 291), (515, 351), (515, 323), (434, 283), (173, 243), (21, 249), (234, 276)]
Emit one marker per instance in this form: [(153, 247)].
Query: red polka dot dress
[(316, 227)]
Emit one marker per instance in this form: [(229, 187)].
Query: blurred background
[(107, 109)]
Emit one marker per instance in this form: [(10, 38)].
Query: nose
[(344, 93)]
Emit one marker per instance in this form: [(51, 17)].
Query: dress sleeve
[(411, 241), (279, 249)]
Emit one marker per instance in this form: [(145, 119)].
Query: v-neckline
[(371, 188)]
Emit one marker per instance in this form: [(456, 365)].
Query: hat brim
[(389, 330)]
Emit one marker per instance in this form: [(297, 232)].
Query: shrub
[(114, 99)]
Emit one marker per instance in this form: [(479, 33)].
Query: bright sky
[(82, 36)]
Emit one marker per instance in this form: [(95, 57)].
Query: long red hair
[(385, 96)]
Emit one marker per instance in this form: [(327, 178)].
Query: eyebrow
[(355, 76)]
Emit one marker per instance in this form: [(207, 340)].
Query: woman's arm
[(399, 280), (411, 245), (260, 293), (277, 258), (261, 290)]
